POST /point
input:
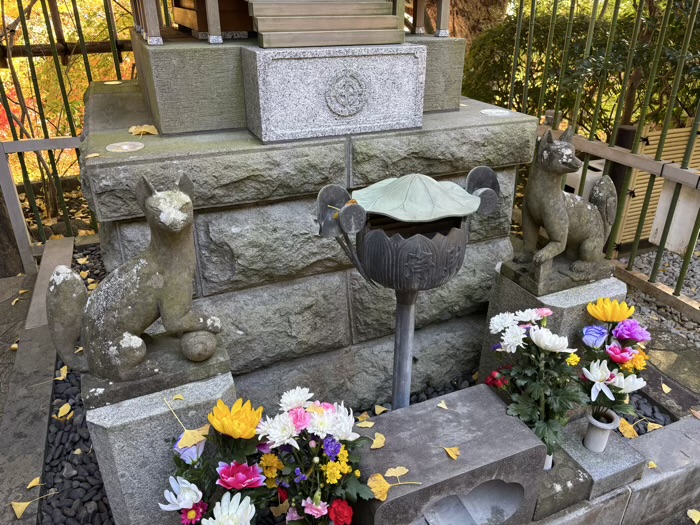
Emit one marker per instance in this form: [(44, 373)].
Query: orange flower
[(240, 422)]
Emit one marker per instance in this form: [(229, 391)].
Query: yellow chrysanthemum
[(638, 362), (271, 464), (609, 311), (573, 360), (358, 473), (345, 468), (239, 422), (343, 455), (270, 483), (333, 472)]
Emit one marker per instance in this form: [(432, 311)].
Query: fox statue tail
[(65, 304), (604, 197)]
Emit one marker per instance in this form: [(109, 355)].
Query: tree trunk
[(10, 261)]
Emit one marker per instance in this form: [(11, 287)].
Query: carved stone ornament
[(346, 94)]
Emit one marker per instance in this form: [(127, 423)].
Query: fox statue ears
[(568, 135), (144, 189)]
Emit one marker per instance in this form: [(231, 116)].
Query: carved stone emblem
[(346, 94)]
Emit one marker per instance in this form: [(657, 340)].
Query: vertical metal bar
[(214, 22), (14, 210), (602, 83), (692, 242), (528, 64), (112, 31), (23, 165), (638, 134), (166, 12), (419, 17), (586, 52), (403, 348), (516, 53), (150, 23), (42, 118), (564, 63), (664, 132), (545, 73), (442, 28), (81, 40)]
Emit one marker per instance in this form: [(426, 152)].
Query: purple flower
[(594, 336), (631, 330), (264, 448), (190, 454), (300, 476), (496, 347), (331, 447)]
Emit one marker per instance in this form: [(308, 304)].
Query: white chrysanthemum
[(600, 375), (512, 339), (279, 430), (232, 511), (527, 316), (343, 421), (295, 398), (546, 340), (322, 423), (629, 384), (502, 321), (183, 496)]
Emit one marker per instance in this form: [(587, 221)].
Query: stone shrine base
[(569, 307), (133, 440)]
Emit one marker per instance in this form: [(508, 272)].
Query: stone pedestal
[(569, 307), (495, 479), (133, 440), (321, 92)]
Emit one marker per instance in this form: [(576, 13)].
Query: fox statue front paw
[(198, 346), (523, 258)]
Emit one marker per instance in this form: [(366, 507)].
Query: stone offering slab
[(566, 484), (320, 92), (618, 465), (495, 479)]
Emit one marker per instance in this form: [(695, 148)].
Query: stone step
[(328, 23), (330, 38), (315, 8)]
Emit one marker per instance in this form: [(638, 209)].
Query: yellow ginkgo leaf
[(363, 417), (651, 464), (379, 441), (204, 430), (82, 260), (694, 515), (379, 486), (62, 373), (627, 430), (14, 347), (475, 377), (178, 397), (22, 292), (379, 409), (396, 472), (90, 280), (443, 405), (192, 437), (16, 300), (665, 388), (145, 129), (92, 286), (78, 451), (78, 350), (695, 413), (453, 452), (92, 155), (654, 426), (281, 509), (34, 483), (19, 507), (84, 274), (366, 424), (64, 410)]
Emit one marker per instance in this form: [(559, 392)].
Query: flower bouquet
[(541, 381), (615, 353), (310, 460)]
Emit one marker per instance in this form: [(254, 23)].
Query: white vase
[(598, 432), (549, 462)]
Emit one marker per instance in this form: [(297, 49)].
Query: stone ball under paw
[(198, 346)]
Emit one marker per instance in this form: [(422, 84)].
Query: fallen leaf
[(379, 441), (694, 515), (145, 129), (34, 483), (178, 397), (363, 417), (14, 347), (366, 424), (653, 426), (379, 409), (695, 413), (63, 373), (475, 377), (651, 464), (19, 507), (396, 472), (190, 438), (204, 430), (281, 509), (92, 286), (379, 486), (627, 430), (84, 274), (78, 451), (22, 292), (665, 388), (453, 452), (90, 280), (16, 300), (78, 350), (64, 410), (82, 260), (92, 155), (442, 404)]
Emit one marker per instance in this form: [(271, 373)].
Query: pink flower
[(620, 355), (315, 510), (301, 418), (193, 515), (328, 407), (239, 476), (293, 515), (544, 312)]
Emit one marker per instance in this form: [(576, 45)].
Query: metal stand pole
[(403, 348)]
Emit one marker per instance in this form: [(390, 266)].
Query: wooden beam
[(443, 19), (419, 17), (213, 22), (67, 49), (150, 22)]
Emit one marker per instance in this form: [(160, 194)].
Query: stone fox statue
[(156, 284), (571, 222)]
